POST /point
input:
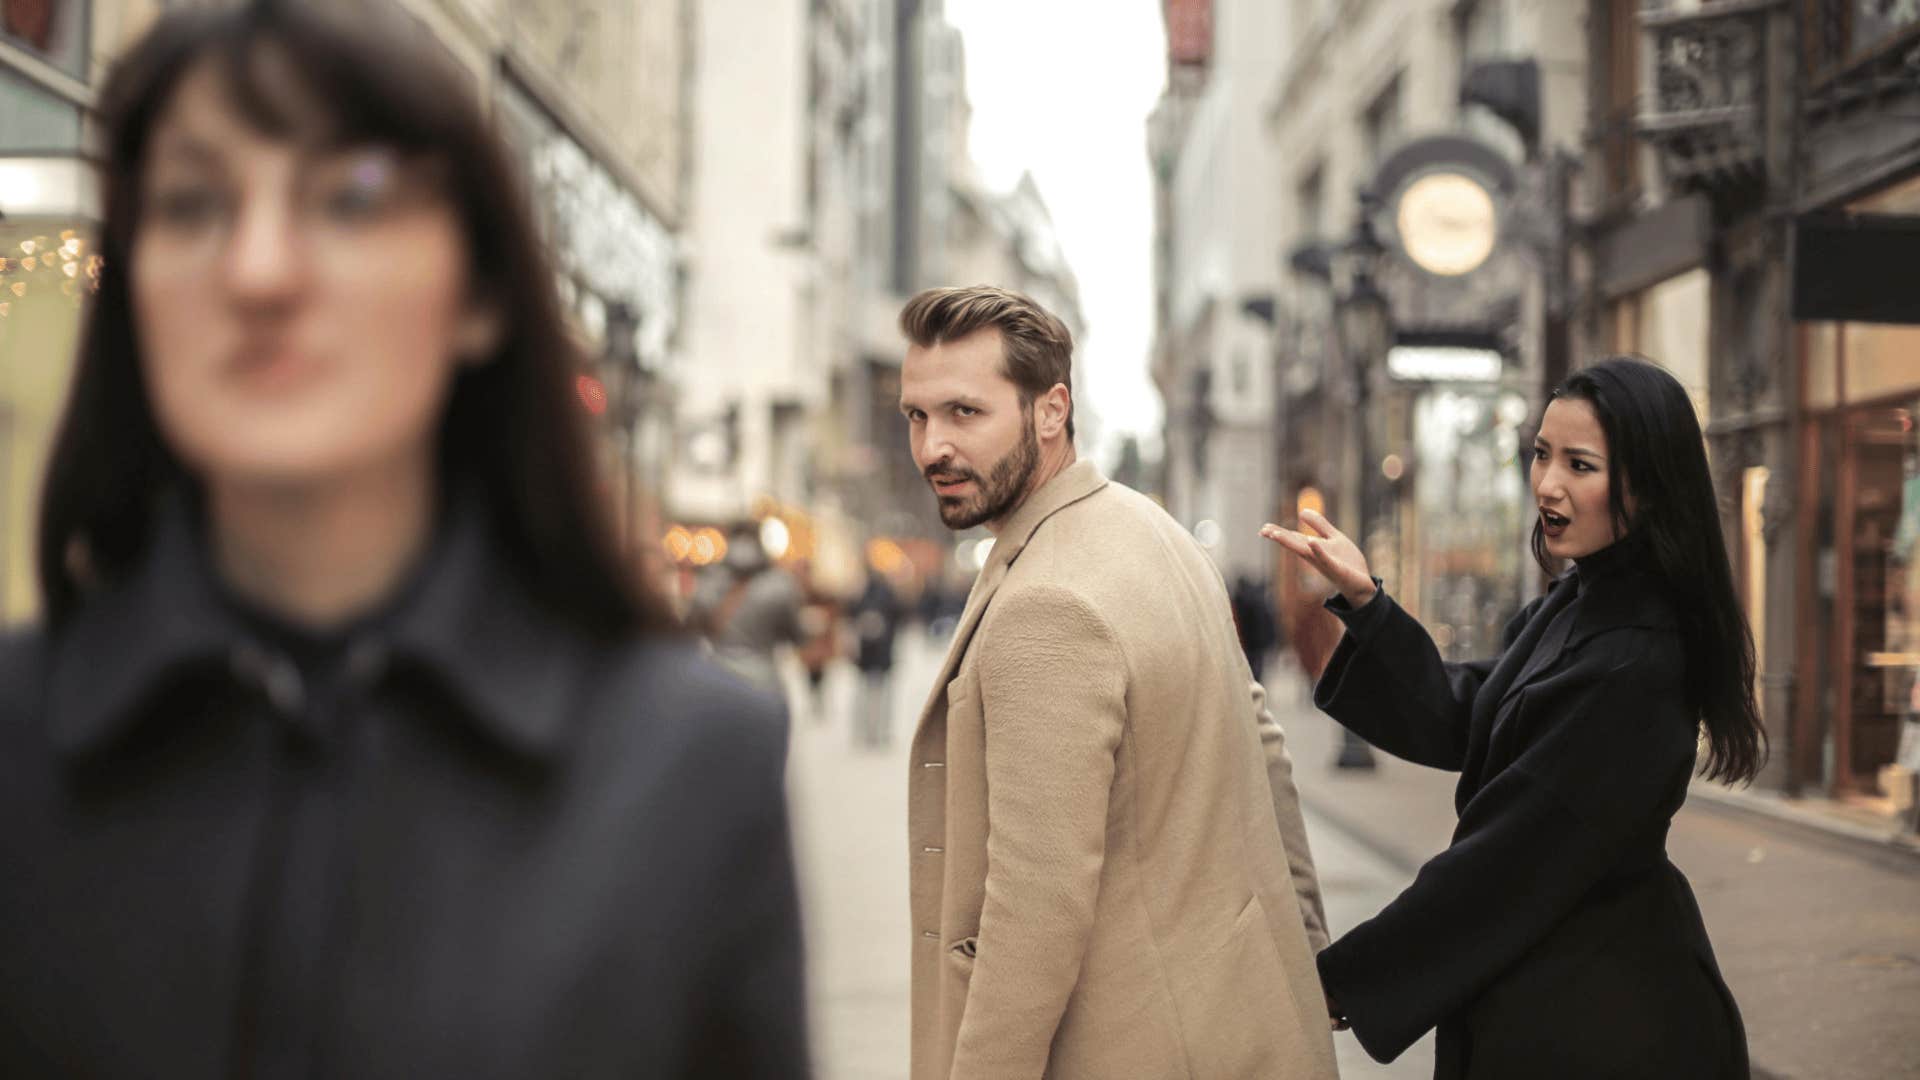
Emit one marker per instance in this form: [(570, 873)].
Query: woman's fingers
[(1321, 525), (1288, 539), (1311, 548)]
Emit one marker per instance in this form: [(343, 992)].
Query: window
[(1481, 29), (33, 120), (1838, 33)]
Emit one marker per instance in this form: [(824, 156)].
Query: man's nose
[(936, 444)]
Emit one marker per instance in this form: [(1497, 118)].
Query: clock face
[(1446, 223)]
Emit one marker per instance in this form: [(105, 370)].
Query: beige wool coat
[(1110, 874)]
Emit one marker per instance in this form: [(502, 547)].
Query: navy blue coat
[(497, 849), (1553, 937)]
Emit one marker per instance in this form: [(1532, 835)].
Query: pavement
[(1818, 935), (1819, 939)]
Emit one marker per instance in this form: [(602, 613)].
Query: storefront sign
[(1855, 267), (1431, 363)]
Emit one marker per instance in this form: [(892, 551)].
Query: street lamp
[(628, 390), (1363, 321)]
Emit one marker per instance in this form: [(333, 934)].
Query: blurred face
[(1570, 480), (971, 437), (301, 307)]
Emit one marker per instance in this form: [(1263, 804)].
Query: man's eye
[(965, 410)]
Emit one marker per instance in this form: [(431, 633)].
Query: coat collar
[(1068, 486), (1608, 590), (467, 622), (1617, 586)]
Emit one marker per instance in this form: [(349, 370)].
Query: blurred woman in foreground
[(349, 747), (1554, 937)]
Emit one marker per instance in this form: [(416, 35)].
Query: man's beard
[(995, 495)]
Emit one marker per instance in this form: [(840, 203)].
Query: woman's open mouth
[(1553, 524)]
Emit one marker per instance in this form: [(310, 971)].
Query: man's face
[(971, 436)]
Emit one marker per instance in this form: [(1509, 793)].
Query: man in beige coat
[(1110, 874)]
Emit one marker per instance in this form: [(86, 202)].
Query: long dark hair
[(512, 429), (1656, 451)]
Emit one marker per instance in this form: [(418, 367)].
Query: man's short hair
[(1036, 347)]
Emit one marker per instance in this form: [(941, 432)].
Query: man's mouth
[(948, 485), (1553, 524)]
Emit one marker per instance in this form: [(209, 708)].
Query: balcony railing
[(1706, 112)]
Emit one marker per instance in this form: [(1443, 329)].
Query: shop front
[(48, 208), (1857, 724)]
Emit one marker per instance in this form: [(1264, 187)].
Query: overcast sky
[(1062, 88)]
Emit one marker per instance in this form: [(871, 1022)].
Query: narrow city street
[(850, 825), (1820, 943)]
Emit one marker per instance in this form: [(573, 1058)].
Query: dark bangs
[(342, 74)]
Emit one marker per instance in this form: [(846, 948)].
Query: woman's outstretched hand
[(1328, 550)]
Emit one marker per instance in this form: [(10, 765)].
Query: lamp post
[(627, 402), (1363, 321)]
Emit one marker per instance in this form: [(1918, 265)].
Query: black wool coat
[(1553, 938), (495, 849)]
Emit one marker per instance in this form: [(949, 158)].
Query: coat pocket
[(959, 690)]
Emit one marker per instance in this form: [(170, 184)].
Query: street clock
[(1446, 222), (1443, 201)]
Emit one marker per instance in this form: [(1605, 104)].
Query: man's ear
[(1052, 410)]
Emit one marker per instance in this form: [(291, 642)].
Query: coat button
[(284, 688), (930, 935), (931, 850), (275, 676), (933, 764)]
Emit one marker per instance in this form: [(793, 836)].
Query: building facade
[(1216, 274), (52, 60), (594, 94), (1754, 174), (1406, 426)]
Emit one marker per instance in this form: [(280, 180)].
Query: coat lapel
[(1074, 483), (1549, 646)]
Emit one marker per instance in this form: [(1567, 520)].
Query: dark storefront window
[(1876, 640)]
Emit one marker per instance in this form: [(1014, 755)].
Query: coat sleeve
[(1387, 683), (1053, 692), (1611, 764), (1293, 825)]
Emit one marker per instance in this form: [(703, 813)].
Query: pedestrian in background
[(1111, 875), (876, 621), (820, 619), (349, 747), (1254, 620), (1555, 937), (748, 607)]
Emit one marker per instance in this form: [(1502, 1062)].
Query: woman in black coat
[(1553, 938), (348, 745)]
